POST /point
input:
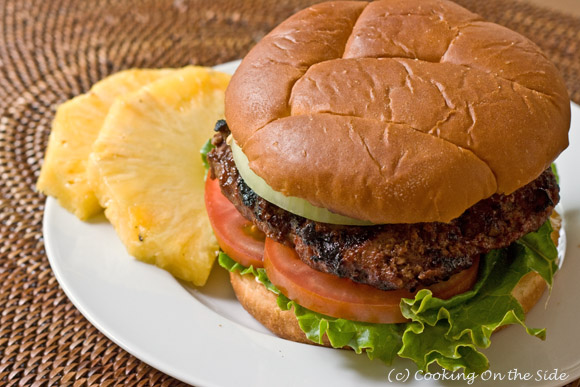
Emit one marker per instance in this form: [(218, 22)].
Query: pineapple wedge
[(74, 129), (147, 172)]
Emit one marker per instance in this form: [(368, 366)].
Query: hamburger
[(383, 182)]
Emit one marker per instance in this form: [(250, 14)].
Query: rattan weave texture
[(51, 50)]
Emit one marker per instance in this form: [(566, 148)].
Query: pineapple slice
[(74, 129), (147, 171)]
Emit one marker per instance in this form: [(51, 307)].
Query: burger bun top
[(397, 111)]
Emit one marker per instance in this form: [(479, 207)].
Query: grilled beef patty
[(391, 256)]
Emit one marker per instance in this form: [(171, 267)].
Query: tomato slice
[(341, 297), (236, 235)]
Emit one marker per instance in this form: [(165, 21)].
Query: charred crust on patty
[(391, 256)]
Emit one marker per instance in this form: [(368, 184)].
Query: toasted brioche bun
[(261, 303), (400, 111)]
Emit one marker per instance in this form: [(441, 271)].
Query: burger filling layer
[(391, 256)]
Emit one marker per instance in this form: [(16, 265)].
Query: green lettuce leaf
[(446, 332), (379, 341), (555, 172), (229, 264), (205, 149)]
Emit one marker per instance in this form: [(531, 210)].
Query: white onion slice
[(291, 204)]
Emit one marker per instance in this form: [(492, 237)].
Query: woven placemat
[(53, 50)]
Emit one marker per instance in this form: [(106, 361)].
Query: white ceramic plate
[(203, 336)]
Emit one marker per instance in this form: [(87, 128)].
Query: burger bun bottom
[(261, 303)]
